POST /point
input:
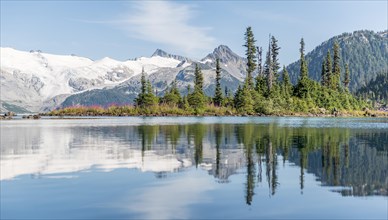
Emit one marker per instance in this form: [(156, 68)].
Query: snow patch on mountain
[(162, 53), (40, 82), (28, 79)]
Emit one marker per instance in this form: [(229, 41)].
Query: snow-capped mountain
[(231, 62), (30, 78), (162, 53), (231, 75), (36, 81)]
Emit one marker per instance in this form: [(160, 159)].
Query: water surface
[(205, 167)]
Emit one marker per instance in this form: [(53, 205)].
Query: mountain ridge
[(36, 81), (162, 53), (365, 51)]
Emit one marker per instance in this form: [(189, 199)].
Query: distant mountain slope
[(28, 79), (376, 89), (365, 51), (36, 81), (233, 72)]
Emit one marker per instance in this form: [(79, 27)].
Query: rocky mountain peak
[(225, 54), (162, 53)]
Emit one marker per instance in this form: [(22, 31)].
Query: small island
[(270, 92)]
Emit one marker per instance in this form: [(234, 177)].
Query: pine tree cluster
[(270, 92)]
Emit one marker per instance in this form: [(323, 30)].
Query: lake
[(194, 168)]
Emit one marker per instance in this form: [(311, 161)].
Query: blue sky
[(129, 29)]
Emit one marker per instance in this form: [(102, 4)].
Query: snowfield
[(36, 81), (52, 75)]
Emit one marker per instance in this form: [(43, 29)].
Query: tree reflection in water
[(357, 162), (352, 161)]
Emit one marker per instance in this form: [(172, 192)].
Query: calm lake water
[(207, 167)]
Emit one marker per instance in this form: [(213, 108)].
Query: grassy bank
[(209, 110)]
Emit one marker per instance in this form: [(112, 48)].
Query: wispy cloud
[(167, 23)]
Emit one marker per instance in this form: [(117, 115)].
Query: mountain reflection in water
[(353, 162)]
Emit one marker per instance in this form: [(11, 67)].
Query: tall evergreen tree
[(228, 99), (323, 74), (275, 60), (268, 69), (250, 52), (261, 84), (243, 100), (328, 67), (247, 100), (184, 104), (218, 92), (303, 63), (197, 98), (198, 80), (286, 85), (259, 61), (174, 88), (336, 67), (172, 96), (238, 97), (143, 81), (302, 89), (347, 77), (149, 87), (146, 97)]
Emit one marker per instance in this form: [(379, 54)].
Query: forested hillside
[(376, 89), (366, 53)]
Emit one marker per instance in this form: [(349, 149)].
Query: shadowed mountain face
[(162, 53), (366, 52)]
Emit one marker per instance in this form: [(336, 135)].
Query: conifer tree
[(302, 89), (261, 84), (250, 52), (347, 77), (328, 72), (228, 99), (146, 97), (259, 61), (198, 80), (218, 92), (174, 88), (197, 98), (275, 60), (303, 63), (143, 81), (238, 97), (185, 104), (247, 100), (323, 74), (286, 85), (268, 69), (336, 67), (173, 96)]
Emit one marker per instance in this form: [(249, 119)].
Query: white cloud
[(167, 23)]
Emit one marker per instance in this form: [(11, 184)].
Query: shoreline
[(296, 114), (339, 114)]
